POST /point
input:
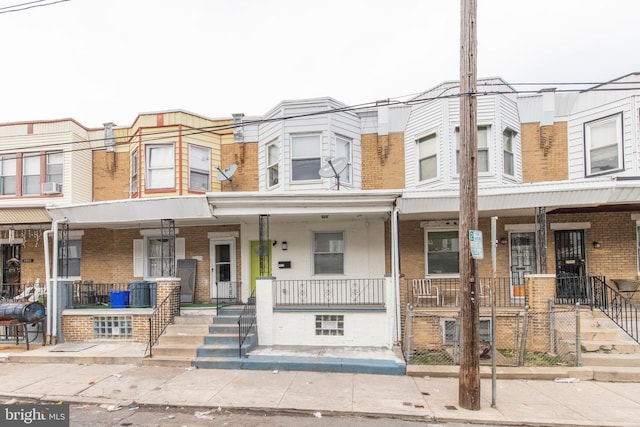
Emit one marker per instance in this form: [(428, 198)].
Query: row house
[(334, 218)]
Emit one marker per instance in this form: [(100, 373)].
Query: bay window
[(199, 168), (603, 145), (160, 166), (482, 159), (428, 157), (305, 157), (273, 158)]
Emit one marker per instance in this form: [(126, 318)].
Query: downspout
[(395, 268), (53, 314), (47, 280)]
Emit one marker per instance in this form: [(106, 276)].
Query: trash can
[(153, 293), (140, 293), (119, 299)]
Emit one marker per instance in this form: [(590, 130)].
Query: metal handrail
[(162, 316), (618, 308), (246, 320), (329, 293), (228, 298)]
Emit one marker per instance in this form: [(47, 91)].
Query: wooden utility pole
[(469, 378)]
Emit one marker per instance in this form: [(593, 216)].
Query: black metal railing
[(226, 293), (445, 292), (90, 294), (329, 293), (23, 292), (617, 307), (246, 321), (573, 289), (163, 316)]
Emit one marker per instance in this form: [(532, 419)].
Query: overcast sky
[(108, 60)]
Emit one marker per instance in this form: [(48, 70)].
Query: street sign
[(475, 243)]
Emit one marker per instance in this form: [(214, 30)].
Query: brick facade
[(546, 152), (245, 156), (382, 161)]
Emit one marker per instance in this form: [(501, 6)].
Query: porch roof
[(522, 199)]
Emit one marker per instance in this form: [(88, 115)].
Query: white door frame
[(213, 242)]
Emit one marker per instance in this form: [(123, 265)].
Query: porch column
[(390, 307), (264, 310), (540, 288)]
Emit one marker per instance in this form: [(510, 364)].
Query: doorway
[(223, 284), (11, 264), (522, 260), (571, 283)]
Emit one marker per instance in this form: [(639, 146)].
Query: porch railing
[(246, 321), (445, 292), (90, 294), (226, 293), (572, 289), (163, 316), (329, 293), (23, 292), (617, 307)]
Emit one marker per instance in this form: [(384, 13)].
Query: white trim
[(570, 225), (215, 235), (76, 234), (635, 217), (154, 232), (520, 228), (19, 241)]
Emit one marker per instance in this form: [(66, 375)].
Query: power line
[(28, 5)]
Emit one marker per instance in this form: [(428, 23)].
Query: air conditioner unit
[(51, 188)]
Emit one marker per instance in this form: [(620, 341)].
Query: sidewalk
[(432, 399)]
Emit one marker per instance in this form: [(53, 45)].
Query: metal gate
[(571, 274)]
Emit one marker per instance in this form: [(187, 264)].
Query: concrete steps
[(604, 343)]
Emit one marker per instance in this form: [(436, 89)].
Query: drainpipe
[(53, 305), (395, 267), (47, 280)]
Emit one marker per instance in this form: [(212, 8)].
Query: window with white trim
[(273, 158), (508, 137), (305, 157), (160, 257), (427, 157), (31, 174), (160, 166), (328, 252), (148, 255), (482, 160), (54, 167), (442, 252), (199, 168), (70, 258), (603, 145), (8, 175), (343, 149)]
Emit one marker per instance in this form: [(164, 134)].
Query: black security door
[(570, 267)]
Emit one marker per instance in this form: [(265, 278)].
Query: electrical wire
[(28, 5)]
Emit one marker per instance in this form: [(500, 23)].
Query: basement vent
[(113, 327)]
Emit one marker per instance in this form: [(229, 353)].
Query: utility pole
[(469, 378)]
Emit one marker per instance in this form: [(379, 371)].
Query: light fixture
[(284, 245), (596, 245), (275, 242), (503, 240)]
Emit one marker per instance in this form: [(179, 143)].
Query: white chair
[(424, 290)]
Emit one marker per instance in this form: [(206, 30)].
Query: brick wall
[(545, 150), (245, 156), (382, 161), (110, 175)]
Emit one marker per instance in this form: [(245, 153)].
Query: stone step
[(181, 339), (221, 338), (216, 329), (175, 350), (604, 359), (225, 320), (193, 319), (187, 329), (618, 347), (218, 362), (168, 361)]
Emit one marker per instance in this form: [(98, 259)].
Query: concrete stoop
[(604, 343)]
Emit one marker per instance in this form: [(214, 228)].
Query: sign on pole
[(475, 244)]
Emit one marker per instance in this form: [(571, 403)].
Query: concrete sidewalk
[(528, 402)]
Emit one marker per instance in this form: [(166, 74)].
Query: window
[(305, 157), (199, 168), (450, 335), (69, 259), (343, 149), (160, 161), (328, 253), (442, 252), (329, 324), (428, 157), (114, 327), (30, 174), (8, 176), (134, 172), (603, 145), (160, 257), (507, 149), (638, 242), (273, 156), (483, 149), (54, 167)]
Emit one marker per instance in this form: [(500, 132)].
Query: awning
[(24, 216)]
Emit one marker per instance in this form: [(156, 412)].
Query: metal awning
[(24, 216)]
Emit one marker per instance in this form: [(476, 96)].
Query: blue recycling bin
[(119, 299)]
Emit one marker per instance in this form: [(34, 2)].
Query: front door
[(223, 270), (570, 266), (523, 260)]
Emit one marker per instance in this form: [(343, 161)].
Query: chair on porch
[(423, 289)]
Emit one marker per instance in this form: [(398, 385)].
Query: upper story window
[(603, 145), (160, 166), (8, 175), (483, 149), (69, 258), (305, 157), (199, 168), (442, 252), (428, 157), (31, 174), (343, 149), (273, 157), (508, 137), (54, 167), (135, 175), (328, 253)]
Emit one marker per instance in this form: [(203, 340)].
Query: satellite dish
[(226, 174), (333, 168)]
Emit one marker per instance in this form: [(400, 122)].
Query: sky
[(100, 61)]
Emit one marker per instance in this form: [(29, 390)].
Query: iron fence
[(619, 308), (246, 321), (445, 292), (89, 294), (329, 293), (23, 292)]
